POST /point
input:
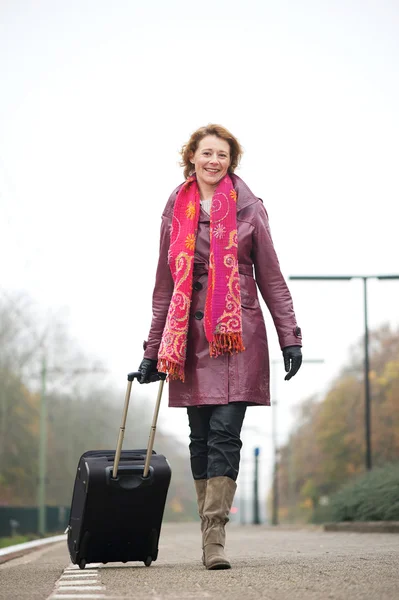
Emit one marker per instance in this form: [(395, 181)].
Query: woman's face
[(211, 160)]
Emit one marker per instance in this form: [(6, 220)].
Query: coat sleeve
[(271, 282), (162, 294)]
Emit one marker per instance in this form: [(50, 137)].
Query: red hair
[(190, 148)]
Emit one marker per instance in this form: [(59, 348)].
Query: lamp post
[(256, 517), (367, 406), (255, 489), (275, 496), (43, 409), (41, 491), (43, 436)]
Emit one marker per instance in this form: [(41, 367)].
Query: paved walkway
[(267, 563)]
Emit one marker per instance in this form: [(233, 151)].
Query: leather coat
[(242, 377)]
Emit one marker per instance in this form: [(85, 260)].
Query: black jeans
[(215, 442)]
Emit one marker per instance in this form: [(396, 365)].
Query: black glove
[(292, 360), (148, 370)]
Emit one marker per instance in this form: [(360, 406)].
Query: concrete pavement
[(32, 577), (274, 564)]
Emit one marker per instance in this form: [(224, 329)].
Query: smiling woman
[(213, 133), (208, 333), (211, 162)]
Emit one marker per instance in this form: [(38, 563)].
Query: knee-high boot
[(200, 488), (218, 500)]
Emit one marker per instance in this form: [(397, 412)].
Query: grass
[(16, 539)]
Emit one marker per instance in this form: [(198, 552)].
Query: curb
[(18, 550), (364, 526)]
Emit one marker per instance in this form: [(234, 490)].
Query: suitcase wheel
[(82, 563), (148, 561)]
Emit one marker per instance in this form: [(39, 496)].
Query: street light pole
[(367, 406), (367, 396), (256, 517), (275, 444), (41, 500), (43, 437), (43, 424)]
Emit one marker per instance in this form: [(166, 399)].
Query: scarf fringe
[(224, 343), (174, 370)]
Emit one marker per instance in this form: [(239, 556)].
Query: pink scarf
[(222, 323)]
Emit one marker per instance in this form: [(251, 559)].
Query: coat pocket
[(249, 297), (249, 301)]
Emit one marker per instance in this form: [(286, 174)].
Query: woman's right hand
[(148, 370)]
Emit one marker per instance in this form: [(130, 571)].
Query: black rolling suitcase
[(118, 500)]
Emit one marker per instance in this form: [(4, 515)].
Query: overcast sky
[(98, 97)]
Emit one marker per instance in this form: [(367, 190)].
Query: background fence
[(20, 520)]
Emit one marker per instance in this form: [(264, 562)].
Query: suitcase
[(118, 500)]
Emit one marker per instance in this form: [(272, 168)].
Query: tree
[(83, 413), (327, 447)]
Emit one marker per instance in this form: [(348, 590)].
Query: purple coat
[(242, 377)]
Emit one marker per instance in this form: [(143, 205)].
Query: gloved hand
[(148, 370), (292, 360)]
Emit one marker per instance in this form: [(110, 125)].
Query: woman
[(207, 330)]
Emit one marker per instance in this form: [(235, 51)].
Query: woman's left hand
[(148, 370), (292, 360)]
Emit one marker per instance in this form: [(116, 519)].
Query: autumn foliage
[(327, 448), (83, 413)]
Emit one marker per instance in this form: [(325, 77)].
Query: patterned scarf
[(222, 323)]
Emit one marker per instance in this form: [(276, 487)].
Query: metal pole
[(275, 492), (291, 481), (153, 429), (274, 441), (367, 408), (367, 400), (256, 520), (42, 454)]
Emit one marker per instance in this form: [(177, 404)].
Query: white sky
[(97, 98)]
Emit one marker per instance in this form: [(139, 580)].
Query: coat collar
[(244, 195), (244, 198)]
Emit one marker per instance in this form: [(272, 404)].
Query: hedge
[(373, 496)]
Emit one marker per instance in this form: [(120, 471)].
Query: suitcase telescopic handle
[(130, 378)]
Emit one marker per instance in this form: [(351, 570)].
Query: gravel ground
[(275, 564), (32, 576)]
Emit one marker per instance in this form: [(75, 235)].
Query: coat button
[(197, 286), (199, 315)]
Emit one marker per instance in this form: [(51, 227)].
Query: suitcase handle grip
[(134, 375), (130, 477), (156, 376)]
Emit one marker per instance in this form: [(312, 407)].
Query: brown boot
[(200, 488), (218, 500)]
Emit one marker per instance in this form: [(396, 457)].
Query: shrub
[(373, 496)]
